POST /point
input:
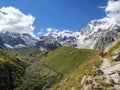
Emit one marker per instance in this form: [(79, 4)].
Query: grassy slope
[(37, 75), (25, 53), (54, 66), (22, 79), (85, 69), (76, 76), (6, 58), (16, 67), (65, 59)]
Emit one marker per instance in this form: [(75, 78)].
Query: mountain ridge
[(96, 31), (91, 37), (15, 40)]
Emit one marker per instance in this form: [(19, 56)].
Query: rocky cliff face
[(99, 33), (107, 38)]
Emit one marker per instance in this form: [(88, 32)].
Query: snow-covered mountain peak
[(88, 36), (64, 33), (97, 29)]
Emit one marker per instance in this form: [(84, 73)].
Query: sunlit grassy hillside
[(66, 59), (11, 71)]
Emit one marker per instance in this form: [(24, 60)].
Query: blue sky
[(60, 14)]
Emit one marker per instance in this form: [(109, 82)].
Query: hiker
[(101, 54)]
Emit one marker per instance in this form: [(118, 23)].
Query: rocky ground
[(106, 77)]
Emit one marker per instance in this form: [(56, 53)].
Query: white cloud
[(50, 30), (102, 7), (113, 8), (13, 20), (46, 31)]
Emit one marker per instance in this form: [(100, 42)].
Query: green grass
[(76, 75), (7, 58), (45, 68), (37, 75), (32, 81), (65, 59), (25, 53), (52, 68), (16, 67)]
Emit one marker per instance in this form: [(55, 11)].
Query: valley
[(47, 68), (62, 68), (75, 48)]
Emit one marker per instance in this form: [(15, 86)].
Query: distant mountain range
[(16, 41), (96, 35)]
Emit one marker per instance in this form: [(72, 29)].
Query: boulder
[(115, 77), (117, 87)]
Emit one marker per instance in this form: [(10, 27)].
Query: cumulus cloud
[(47, 31), (113, 8), (13, 20), (50, 30)]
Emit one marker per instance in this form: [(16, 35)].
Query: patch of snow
[(8, 46), (19, 46)]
